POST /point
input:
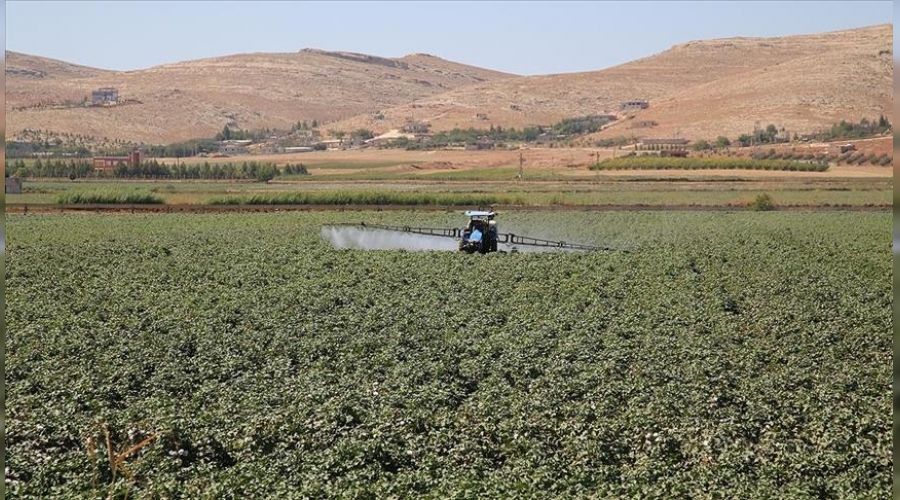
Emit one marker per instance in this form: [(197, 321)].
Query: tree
[(226, 133), (362, 134), (700, 145), (266, 172), (722, 142), (338, 134)]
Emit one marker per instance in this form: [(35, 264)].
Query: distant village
[(412, 135)]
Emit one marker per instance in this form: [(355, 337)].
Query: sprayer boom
[(480, 235)]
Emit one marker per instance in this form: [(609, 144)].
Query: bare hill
[(35, 67), (698, 89), (197, 98)]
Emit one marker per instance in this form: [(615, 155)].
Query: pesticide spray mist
[(381, 239)]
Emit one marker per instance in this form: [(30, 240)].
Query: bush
[(362, 134), (580, 125), (614, 141), (762, 203), (701, 145), (109, 197)]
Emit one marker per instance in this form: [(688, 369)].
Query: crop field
[(715, 163), (625, 191), (240, 355)]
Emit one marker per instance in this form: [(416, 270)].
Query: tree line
[(152, 169)]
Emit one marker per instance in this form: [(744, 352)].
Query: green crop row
[(108, 197), (365, 198), (670, 163)]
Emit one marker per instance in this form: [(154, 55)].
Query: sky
[(517, 37)]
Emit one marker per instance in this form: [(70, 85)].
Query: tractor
[(480, 235)]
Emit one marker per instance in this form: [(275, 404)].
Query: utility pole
[(521, 175)]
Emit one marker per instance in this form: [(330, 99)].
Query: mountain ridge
[(699, 89)]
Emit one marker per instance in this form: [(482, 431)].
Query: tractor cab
[(480, 234)]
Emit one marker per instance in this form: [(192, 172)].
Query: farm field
[(733, 191), (239, 354), (540, 163)]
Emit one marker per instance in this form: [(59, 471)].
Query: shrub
[(701, 145), (108, 197), (762, 203)]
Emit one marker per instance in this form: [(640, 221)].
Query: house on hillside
[(415, 127), (482, 143), (234, 146), (104, 96), (643, 124), (842, 148), (634, 105), (549, 138)]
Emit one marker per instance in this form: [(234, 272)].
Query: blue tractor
[(480, 234)]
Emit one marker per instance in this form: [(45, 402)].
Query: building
[(234, 146), (643, 124), (841, 148), (108, 163), (232, 149), (549, 138), (665, 144), (634, 105), (415, 127), (104, 96), (13, 185), (480, 144)]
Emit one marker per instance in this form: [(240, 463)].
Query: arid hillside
[(698, 89), (198, 98)]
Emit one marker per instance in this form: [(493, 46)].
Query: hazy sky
[(518, 37)]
